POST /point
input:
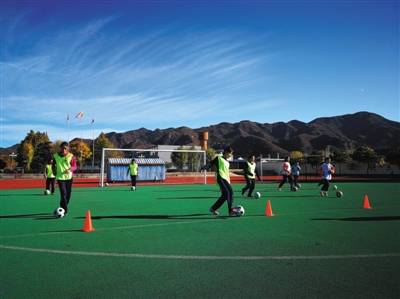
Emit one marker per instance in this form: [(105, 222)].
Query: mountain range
[(339, 132)]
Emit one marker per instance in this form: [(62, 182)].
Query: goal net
[(166, 166)]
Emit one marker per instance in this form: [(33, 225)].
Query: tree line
[(36, 149)]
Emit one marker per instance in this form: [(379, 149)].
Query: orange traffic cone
[(87, 226), (366, 202), (268, 209)]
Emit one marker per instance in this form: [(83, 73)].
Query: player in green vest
[(221, 165), (64, 165), (49, 177), (250, 173), (133, 172)]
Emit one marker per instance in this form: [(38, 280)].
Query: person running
[(327, 171), (221, 165), (133, 172), (286, 174), (250, 173), (49, 177), (64, 165), (296, 173)]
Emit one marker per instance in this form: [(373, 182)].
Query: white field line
[(203, 257)]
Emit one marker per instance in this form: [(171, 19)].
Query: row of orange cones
[(88, 227), (269, 213)]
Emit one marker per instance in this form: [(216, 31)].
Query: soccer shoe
[(214, 212)]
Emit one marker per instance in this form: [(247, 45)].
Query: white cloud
[(129, 81)]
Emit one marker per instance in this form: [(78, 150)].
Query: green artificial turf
[(161, 242)]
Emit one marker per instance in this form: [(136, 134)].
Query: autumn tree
[(296, 156), (33, 150), (80, 150), (103, 142)]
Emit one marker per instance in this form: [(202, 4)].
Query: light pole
[(92, 122)]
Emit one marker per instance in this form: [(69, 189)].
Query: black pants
[(295, 180), (226, 194), (325, 185), (133, 180), (50, 184), (286, 178), (250, 184), (65, 187)]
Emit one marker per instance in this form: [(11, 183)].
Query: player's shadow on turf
[(25, 215), (369, 218), (294, 195), (188, 190), (24, 194), (172, 217), (188, 197)]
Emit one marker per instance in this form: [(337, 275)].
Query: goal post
[(180, 165)]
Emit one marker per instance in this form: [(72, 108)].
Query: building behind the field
[(166, 156)]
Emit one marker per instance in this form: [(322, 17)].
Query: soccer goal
[(167, 166)]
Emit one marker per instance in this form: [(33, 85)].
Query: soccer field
[(161, 242)]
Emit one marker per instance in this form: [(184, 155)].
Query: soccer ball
[(339, 193), (59, 212), (240, 210), (47, 192), (294, 189), (133, 188), (107, 184), (257, 195)]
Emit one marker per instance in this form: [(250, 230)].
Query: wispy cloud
[(127, 81)]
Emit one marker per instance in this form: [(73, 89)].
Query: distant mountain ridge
[(341, 132)]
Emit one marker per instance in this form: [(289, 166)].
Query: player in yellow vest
[(133, 172), (64, 165), (250, 173), (49, 177), (221, 165)]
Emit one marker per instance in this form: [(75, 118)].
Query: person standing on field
[(133, 172), (250, 173), (64, 165), (49, 176)]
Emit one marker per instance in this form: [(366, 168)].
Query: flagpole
[(92, 144), (68, 128)]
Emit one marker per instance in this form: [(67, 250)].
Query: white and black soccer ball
[(133, 188), (59, 212), (107, 184), (294, 189), (240, 210), (257, 195), (339, 194), (47, 192)]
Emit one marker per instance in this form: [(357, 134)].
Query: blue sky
[(160, 64)]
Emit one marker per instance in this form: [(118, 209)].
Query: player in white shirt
[(327, 171), (286, 174)]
